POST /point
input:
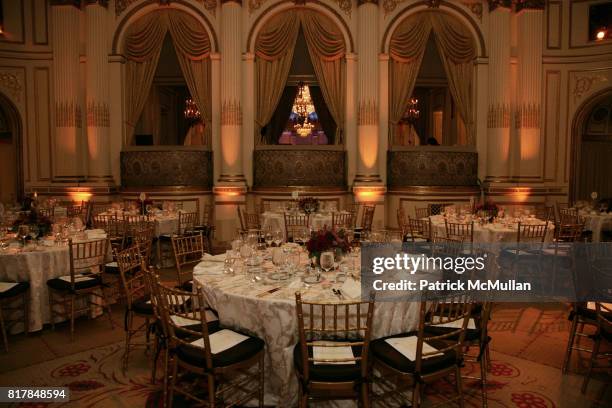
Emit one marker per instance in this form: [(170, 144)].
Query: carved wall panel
[(191, 168), (432, 168), (319, 168)]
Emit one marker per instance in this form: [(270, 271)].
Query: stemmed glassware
[(23, 232), (327, 261), (278, 238)]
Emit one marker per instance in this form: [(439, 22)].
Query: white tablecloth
[(491, 233), (164, 224), (597, 223), (272, 317), (275, 221)]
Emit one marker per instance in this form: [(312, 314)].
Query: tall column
[(368, 97), (231, 78), (97, 89), (529, 88), (499, 106), (67, 143)]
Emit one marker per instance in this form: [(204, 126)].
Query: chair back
[(568, 232), (460, 230), (367, 217), (422, 212), (151, 281), (544, 212), (86, 257), (531, 233), (342, 220), (354, 209), (130, 263), (208, 217), (295, 222), (604, 321), (444, 246), (74, 210), (443, 310), (329, 325), (187, 222), (436, 208), (142, 235), (48, 212), (568, 216), (180, 312), (188, 251), (402, 220), (250, 221), (419, 228)]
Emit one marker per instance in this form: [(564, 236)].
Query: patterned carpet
[(525, 375)]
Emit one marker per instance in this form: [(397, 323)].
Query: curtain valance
[(277, 39)]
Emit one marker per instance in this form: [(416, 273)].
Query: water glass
[(327, 261)]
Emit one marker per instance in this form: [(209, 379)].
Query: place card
[(222, 340), (332, 353), (408, 345)]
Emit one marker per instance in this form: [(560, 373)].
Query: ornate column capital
[(529, 5), (75, 3), (362, 2), (495, 4), (103, 3)]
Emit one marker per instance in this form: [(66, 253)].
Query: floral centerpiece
[(327, 240), (309, 205), (488, 210), (33, 219)]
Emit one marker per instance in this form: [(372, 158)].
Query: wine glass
[(278, 238), (269, 239), (23, 233), (327, 261), (278, 257)]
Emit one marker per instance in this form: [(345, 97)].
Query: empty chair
[(421, 212), (531, 233), (545, 212), (602, 335), (331, 357), (294, 224), (459, 230), (367, 217), (249, 221), (419, 230), (188, 251), (342, 221), (14, 307), (187, 222), (207, 225)]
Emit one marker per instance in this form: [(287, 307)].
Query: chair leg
[(3, 329), (128, 339), (72, 298), (594, 353), (165, 380), (26, 313), (365, 395), (483, 379), (570, 344), (459, 384), (416, 395), (211, 391), (303, 398), (108, 308), (172, 383), (52, 316), (261, 381)]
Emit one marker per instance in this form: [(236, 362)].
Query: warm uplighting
[(191, 110), (80, 196)]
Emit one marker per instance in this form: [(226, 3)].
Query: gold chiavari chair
[(331, 358), (354, 209), (568, 232), (437, 208), (84, 281), (75, 211), (531, 233), (342, 221), (460, 230), (416, 359), (14, 307), (143, 236), (114, 228), (188, 251), (367, 217), (48, 212), (402, 220), (207, 226), (603, 334), (234, 375), (295, 222), (568, 216), (421, 212), (452, 247), (187, 222), (137, 299), (419, 229), (249, 221), (544, 212)]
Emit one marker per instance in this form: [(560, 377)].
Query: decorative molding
[(431, 168), (75, 3), (211, 5), (529, 5), (527, 116), (98, 115), (584, 83), (475, 7), (103, 3), (121, 5), (11, 82), (362, 2), (255, 5), (493, 4), (67, 114), (345, 5), (231, 113), (367, 113), (282, 167), (498, 116), (191, 168), (433, 3)]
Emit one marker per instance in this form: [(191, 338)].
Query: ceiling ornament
[(475, 7), (345, 5), (122, 5), (255, 5)]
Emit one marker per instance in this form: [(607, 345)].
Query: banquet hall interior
[(189, 188)]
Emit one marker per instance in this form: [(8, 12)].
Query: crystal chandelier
[(412, 113), (191, 110), (303, 107)]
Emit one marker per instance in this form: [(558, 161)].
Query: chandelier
[(303, 107), (191, 110), (412, 113)]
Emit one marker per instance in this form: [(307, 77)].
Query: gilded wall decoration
[(475, 7), (121, 5), (11, 83), (432, 168), (191, 168), (498, 116), (345, 5), (255, 5), (281, 168), (527, 116), (67, 114), (231, 113), (98, 115), (584, 83)]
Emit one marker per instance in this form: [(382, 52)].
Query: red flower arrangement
[(309, 205), (327, 240)]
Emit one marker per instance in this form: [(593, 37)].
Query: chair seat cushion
[(588, 313), (165, 237), (18, 289), (112, 268), (81, 282), (187, 286), (142, 306), (328, 372), (240, 352), (386, 353)]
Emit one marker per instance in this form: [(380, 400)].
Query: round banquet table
[(164, 224), (275, 221), (491, 233), (596, 222), (249, 306)]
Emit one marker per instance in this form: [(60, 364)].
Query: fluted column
[(231, 78), (97, 89), (67, 143), (368, 97), (499, 106), (529, 88)]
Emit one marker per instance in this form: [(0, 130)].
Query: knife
[(268, 292)]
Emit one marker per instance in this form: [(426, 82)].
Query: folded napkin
[(222, 340), (214, 258), (407, 346), (332, 353), (77, 278), (4, 286), (208, 268), (457, 324), (351, 288)]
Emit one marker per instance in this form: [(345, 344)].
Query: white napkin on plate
[(214, 258), (4, 286), (351, 288), (331, 353), (407, 346), (222, 340)]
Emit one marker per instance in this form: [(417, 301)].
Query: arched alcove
[(11, 178)]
